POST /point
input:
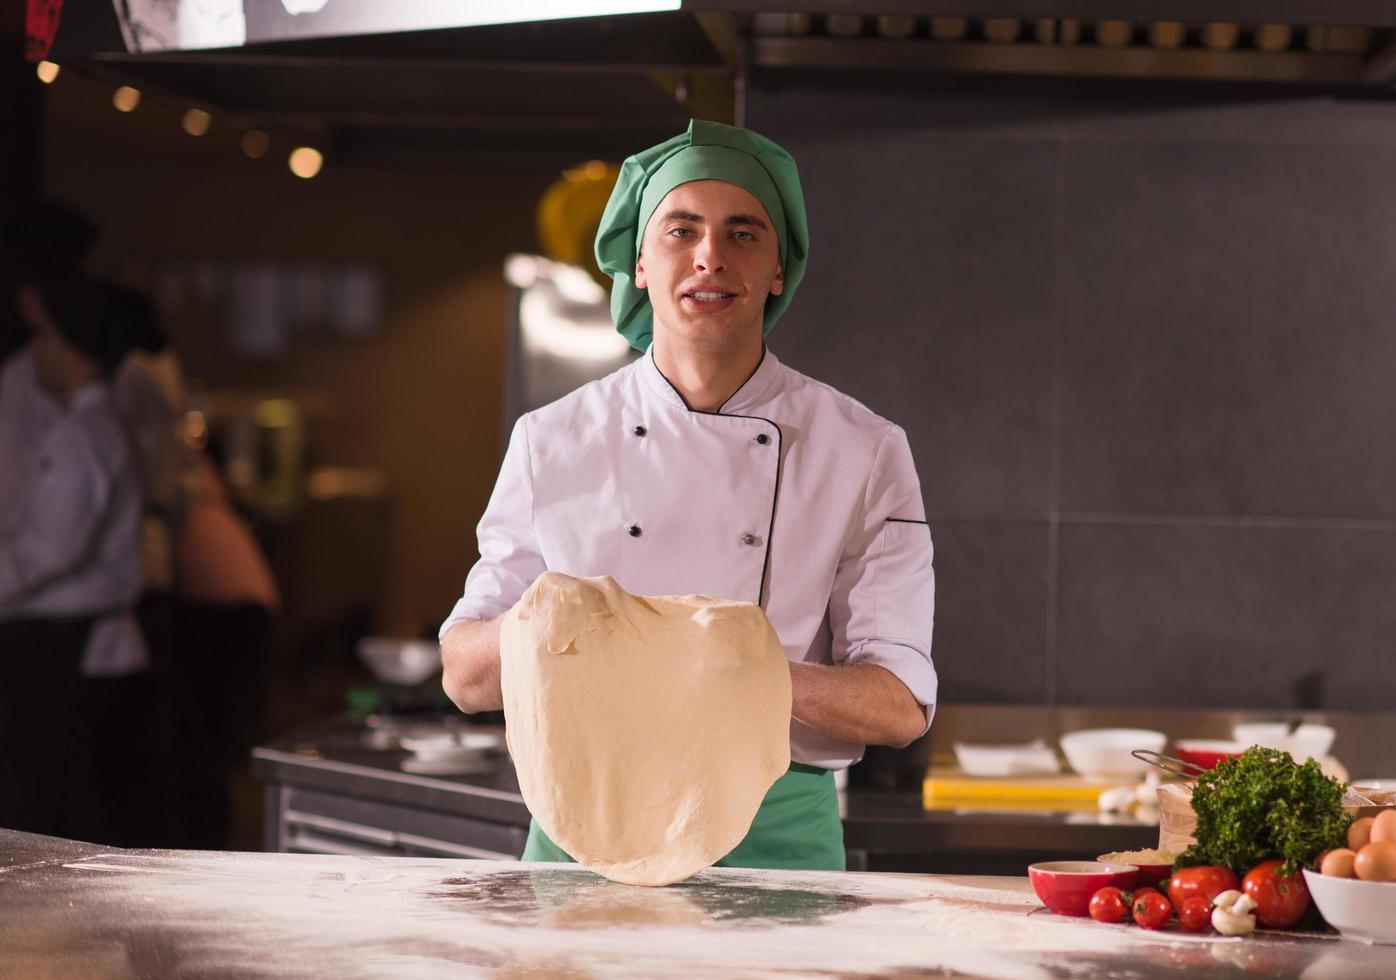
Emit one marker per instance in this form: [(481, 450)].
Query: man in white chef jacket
[(74, 686), (708, 467)]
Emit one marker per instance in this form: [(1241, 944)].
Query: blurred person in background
[(227, 597), (76, 701), (208, 600)]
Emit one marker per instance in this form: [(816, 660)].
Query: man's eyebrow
[(747, 219), (697, 219), (683, 216)]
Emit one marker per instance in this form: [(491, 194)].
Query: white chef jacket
[(70, 512), (791, 495)]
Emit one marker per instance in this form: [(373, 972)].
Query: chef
[(72, 658), (706, 466)]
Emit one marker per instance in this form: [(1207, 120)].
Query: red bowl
[(1149, 874), (1066, 887), (1207, 753)]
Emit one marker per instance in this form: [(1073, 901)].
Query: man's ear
[(778, 283), (640, 272)]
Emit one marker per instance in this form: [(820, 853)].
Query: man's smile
[(707, 300)]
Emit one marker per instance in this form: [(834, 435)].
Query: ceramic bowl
[(1207, 753), (1103, 754), (1149, 874), (393, 661), (1307, 741), (1361, 910), (1066, 887)]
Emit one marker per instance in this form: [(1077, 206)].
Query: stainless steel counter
[(74, 909)]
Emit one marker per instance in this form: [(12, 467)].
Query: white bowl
[(1361, 910), (1307, 741), (1027, 759), (1103, 754), (400, 661)]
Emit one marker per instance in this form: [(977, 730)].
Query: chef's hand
[(470, 665), (860, 703)]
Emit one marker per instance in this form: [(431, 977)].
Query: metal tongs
[(1189, 770)]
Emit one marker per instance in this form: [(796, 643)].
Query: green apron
[(797, 828)]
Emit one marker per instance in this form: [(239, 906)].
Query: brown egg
[(1338, 863), (1384, 826), (1376, 861), (1360, 833)]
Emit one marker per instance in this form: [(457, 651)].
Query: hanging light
[(255, 143), (47, 71), (196, 122), (305, 161), (126, 98)]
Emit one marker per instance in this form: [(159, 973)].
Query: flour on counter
[(352, 917)]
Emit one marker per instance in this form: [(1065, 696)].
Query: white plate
[(1026, 759), (482, 741), (432, 744), (445, 767)]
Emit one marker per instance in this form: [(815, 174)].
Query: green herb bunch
[(1264, 805)]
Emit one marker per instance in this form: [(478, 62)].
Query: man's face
[(709, 258)]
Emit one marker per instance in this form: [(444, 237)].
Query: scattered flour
[(312, 916)]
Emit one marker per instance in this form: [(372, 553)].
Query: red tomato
[(1151, 910), (1209, 881), (1108, 905), (1195, 914), (1146, 890), (1280, 900)]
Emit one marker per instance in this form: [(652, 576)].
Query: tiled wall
[(1143, 340)]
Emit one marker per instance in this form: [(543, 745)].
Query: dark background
[(1139, 335)]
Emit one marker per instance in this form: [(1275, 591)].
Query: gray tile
[(1227, 330), (991, 607), (1243, 617), (929, 298)]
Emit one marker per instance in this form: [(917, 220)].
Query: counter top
[(74, 909)]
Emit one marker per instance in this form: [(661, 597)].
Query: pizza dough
[(645, 731)]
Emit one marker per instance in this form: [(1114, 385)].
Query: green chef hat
[(708, 151)]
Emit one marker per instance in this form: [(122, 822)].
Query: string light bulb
[(196, 122), (126, 98), (255, 143), (47, 72), (305, 161)]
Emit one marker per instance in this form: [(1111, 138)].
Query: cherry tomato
[(1195, 914), (1280, 900), (1108, 905), (1209, 881), (1146, 890), (1152, 910)]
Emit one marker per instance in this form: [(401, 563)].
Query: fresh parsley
[(1265, 805)]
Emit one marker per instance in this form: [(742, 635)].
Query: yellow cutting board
[(949, 788)]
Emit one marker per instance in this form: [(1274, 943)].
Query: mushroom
[(1232, 914)]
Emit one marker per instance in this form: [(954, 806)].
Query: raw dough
[(645, 731)]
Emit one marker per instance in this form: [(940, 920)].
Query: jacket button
[(748, 538), (634, 530), (763, 438), (640, 431)]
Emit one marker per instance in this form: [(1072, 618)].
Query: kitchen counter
[(74, 909), (338, 787)]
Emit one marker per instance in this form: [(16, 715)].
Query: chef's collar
[(742, 401)]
